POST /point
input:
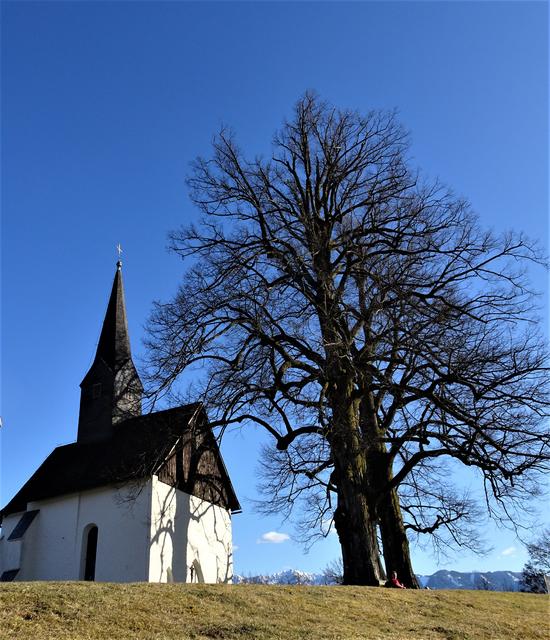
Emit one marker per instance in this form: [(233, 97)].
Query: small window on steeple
[(96, 390)]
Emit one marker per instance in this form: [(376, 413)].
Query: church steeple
[(114, 342), (111, 390)]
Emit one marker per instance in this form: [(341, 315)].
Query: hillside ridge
[(146, 611)]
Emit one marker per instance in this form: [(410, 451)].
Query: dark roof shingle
[(137, 449)]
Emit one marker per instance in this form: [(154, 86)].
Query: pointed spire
[(111, 391), (114, 342)]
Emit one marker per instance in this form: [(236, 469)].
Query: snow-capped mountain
[(442, 579), (290, 576), (485, 581)]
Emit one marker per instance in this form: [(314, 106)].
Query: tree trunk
[(357, 534), (394, 540), (354, 521), (384, 506), (354, 518)]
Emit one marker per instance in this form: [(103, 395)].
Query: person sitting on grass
[(394, 582)]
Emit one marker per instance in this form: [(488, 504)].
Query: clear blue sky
[(105, 104)]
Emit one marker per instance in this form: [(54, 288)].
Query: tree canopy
[(363, 317)]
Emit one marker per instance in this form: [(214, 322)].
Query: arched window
[(90, 552)]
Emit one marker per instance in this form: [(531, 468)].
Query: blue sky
[(105, 104)]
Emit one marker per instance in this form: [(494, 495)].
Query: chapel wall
[(10, 550), (188, 532), (55, 548)]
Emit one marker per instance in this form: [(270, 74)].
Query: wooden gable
[(195, 466)]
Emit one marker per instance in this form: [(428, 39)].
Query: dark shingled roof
[(114, 342), (138, 448)]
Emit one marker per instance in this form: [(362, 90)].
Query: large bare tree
[(362, 317)]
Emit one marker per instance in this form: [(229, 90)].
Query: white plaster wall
[(53, 547), (210, 540), (186, 530), (10, 550)]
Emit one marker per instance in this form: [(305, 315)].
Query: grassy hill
[(164, 612)]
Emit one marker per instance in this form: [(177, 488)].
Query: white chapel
[(137, 497)]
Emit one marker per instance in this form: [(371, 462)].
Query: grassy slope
[(155, 612)]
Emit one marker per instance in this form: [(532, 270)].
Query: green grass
[(50, 610)]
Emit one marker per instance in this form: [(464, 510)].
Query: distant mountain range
[(442, 579), (485, 581), (290, 576)]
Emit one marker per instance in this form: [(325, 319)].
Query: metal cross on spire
[(119, 249)]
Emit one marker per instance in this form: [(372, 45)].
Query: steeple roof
[(114, 342), (111, 390)]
